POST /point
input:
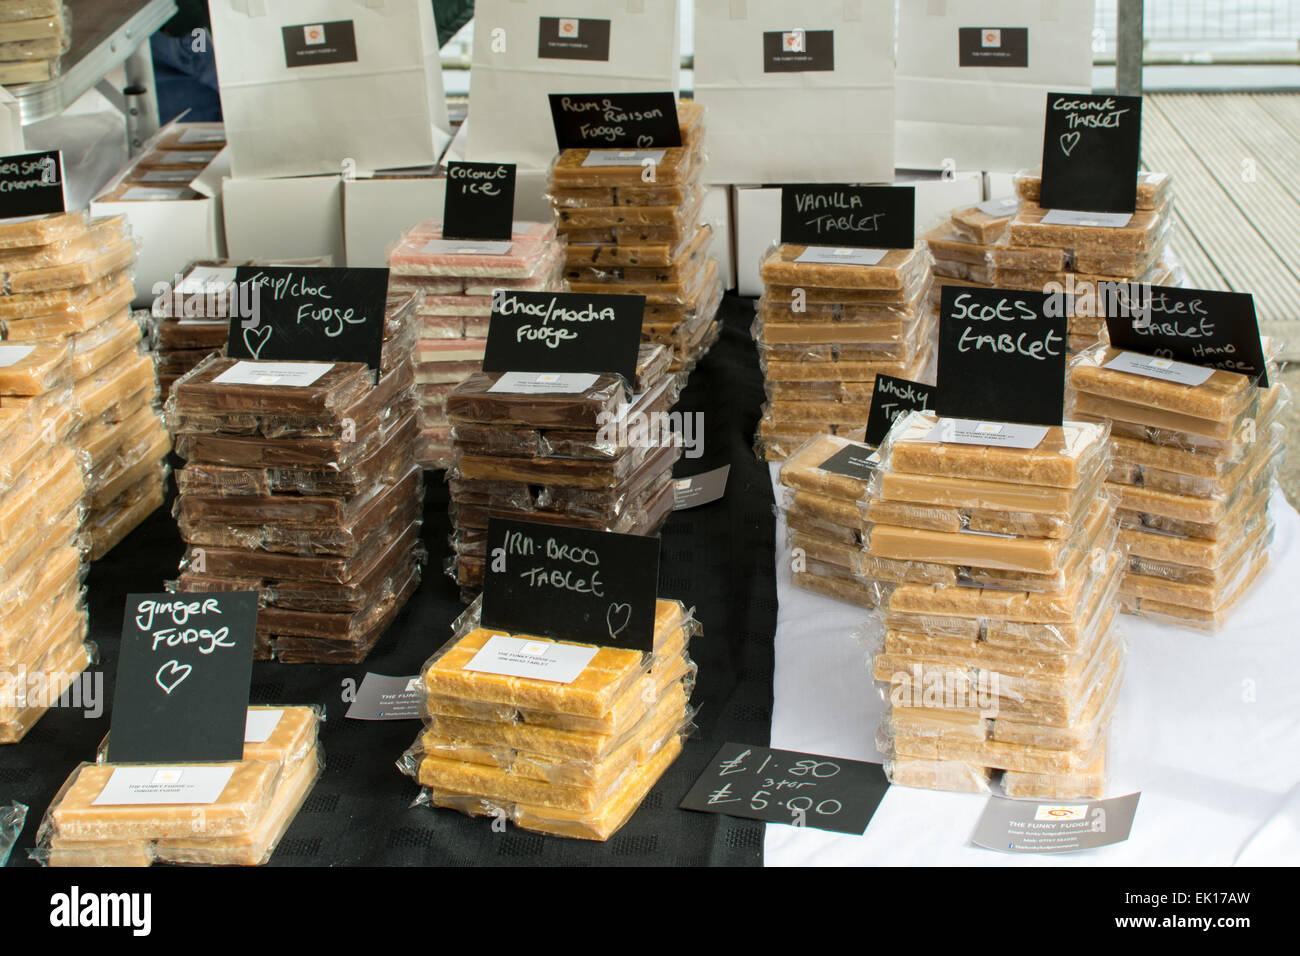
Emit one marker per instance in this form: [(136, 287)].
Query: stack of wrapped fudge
[(632, 237), (1012, 248), (307, 493), (34, 35), (454, 290), (68, 279), (576, 459), (1014, 663), (572, 760), (43, 623), (824, 331), (241, 827), (1192, 471), (169, 164)]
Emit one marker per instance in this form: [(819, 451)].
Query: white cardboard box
[(758, 215), (172, 233), (295, 218), (376, 211), (717, 212)]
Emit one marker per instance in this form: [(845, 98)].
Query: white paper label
[(999, 207), (624, 157), (260, 724), (965, 431), (202, 280), (180, 157), (844, 256), (155, 786), (466, 247), (145, 194), (544, 383), (167, 176), (540, 660), (1072, 217), (197, 136), (1167, 370), (290, 374), (13, 354)]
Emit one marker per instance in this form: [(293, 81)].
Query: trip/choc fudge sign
[(564, 333), (615, 120), (855, 217), (1216, 330), (31, 184), (311, 315), (571, 584), (1091, 148), (480, 202), (1001, 357), (183, 677)]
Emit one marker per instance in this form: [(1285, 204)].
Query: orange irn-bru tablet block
[(108, 259), (894, 272), (1143, 229), (1062, 459), (1152, 187), (1086, 784), (242, 803), (1220, 397), (950, 775), (42, 230), (30, 370)]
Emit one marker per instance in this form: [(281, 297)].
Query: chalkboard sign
[(1001, 356), (309, 315), (480, 201), (571, 584), (784, 786), (182, 679), (890, 398), (1214, 329), (615, 120), (1091, 148), (31, 184), (876, 217), (564, 332)]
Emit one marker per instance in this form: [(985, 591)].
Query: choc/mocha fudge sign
[(834, 215), (1091, 147)]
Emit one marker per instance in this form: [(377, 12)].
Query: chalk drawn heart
[(644, 141), (617, 619), (178, 673), (259, 335), (1164, 353), (1069, 141)]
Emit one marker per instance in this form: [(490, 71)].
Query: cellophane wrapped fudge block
[(34, 35), (1192, 471), (994, 572), (629, 234), (454, 289), (824, 330), (308, 493), (593, 458), (572, 760)]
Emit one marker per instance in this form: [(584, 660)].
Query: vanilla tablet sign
[(31, 184), (1091, 148), (1001, 356), (834, 215), (571, 584), (480, 202), (301, 314), (182, 678)]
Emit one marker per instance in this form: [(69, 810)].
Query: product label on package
[(13, 354), (993, 46), (381, 697), (700, 489), (965, 431), (318, 44), (31, 184), (1029, 826), (160, 786), (194, 158), (571, 584), (615, 120), (1153, 366), (842, 256), (260, 725), (1091, 144), (1001, 356), (539, 660), (207, 280), (998, 208), (198, 137), (480, 202), (890, 398), (544, 383), (834, 215), (1098, 220), (564, 332), (572, 38), (624, 157), (798, 51), (286, 374), (461, 247), (853, 461)]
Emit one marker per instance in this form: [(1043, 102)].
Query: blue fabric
[(186, 79)]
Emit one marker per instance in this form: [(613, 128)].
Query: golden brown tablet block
[(109, 259), (1139, 235), (60, 671), (34, 369), (1042, 259), (1193, 617), (1152, 187), (677, 165), (97, 347), (950, 775), (122, 516), (993, 495), (979, 226), (1084, 404), (1221, 397), (1086, 784), (947, 244), (893, 272), (42, 230)]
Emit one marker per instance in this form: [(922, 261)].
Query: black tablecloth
[(718, 557)]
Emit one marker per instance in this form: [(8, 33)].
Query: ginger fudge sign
[(891, 397), (564, 333), (840, 221), (1217, 330), (629, 121), (31, 184), (310, 315), (1091, 146), (1001, 357), (183, 677), (571, 584), (480, 204)]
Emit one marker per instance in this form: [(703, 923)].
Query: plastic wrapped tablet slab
[(105, 261), (204, 392), (1087, 784), (418, 255), (476, 400), (1198, 431), (42, 230), (1257, 534), (683, 266), (30, 370), (805, 468), (13, 10), (943, 269), (1153, 188), (61, 311), (894, 272), (1035, 258), (950, 775), (571, 169), (644, 194), (609, 251), (1221, 397), (678, 220), (976, 224), (1144, 229), (57, 673), (96, 348), (109, 526), (1193, 596), (946, 244), (1179, 613)]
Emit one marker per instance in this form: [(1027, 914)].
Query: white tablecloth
[(1208, 729)]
